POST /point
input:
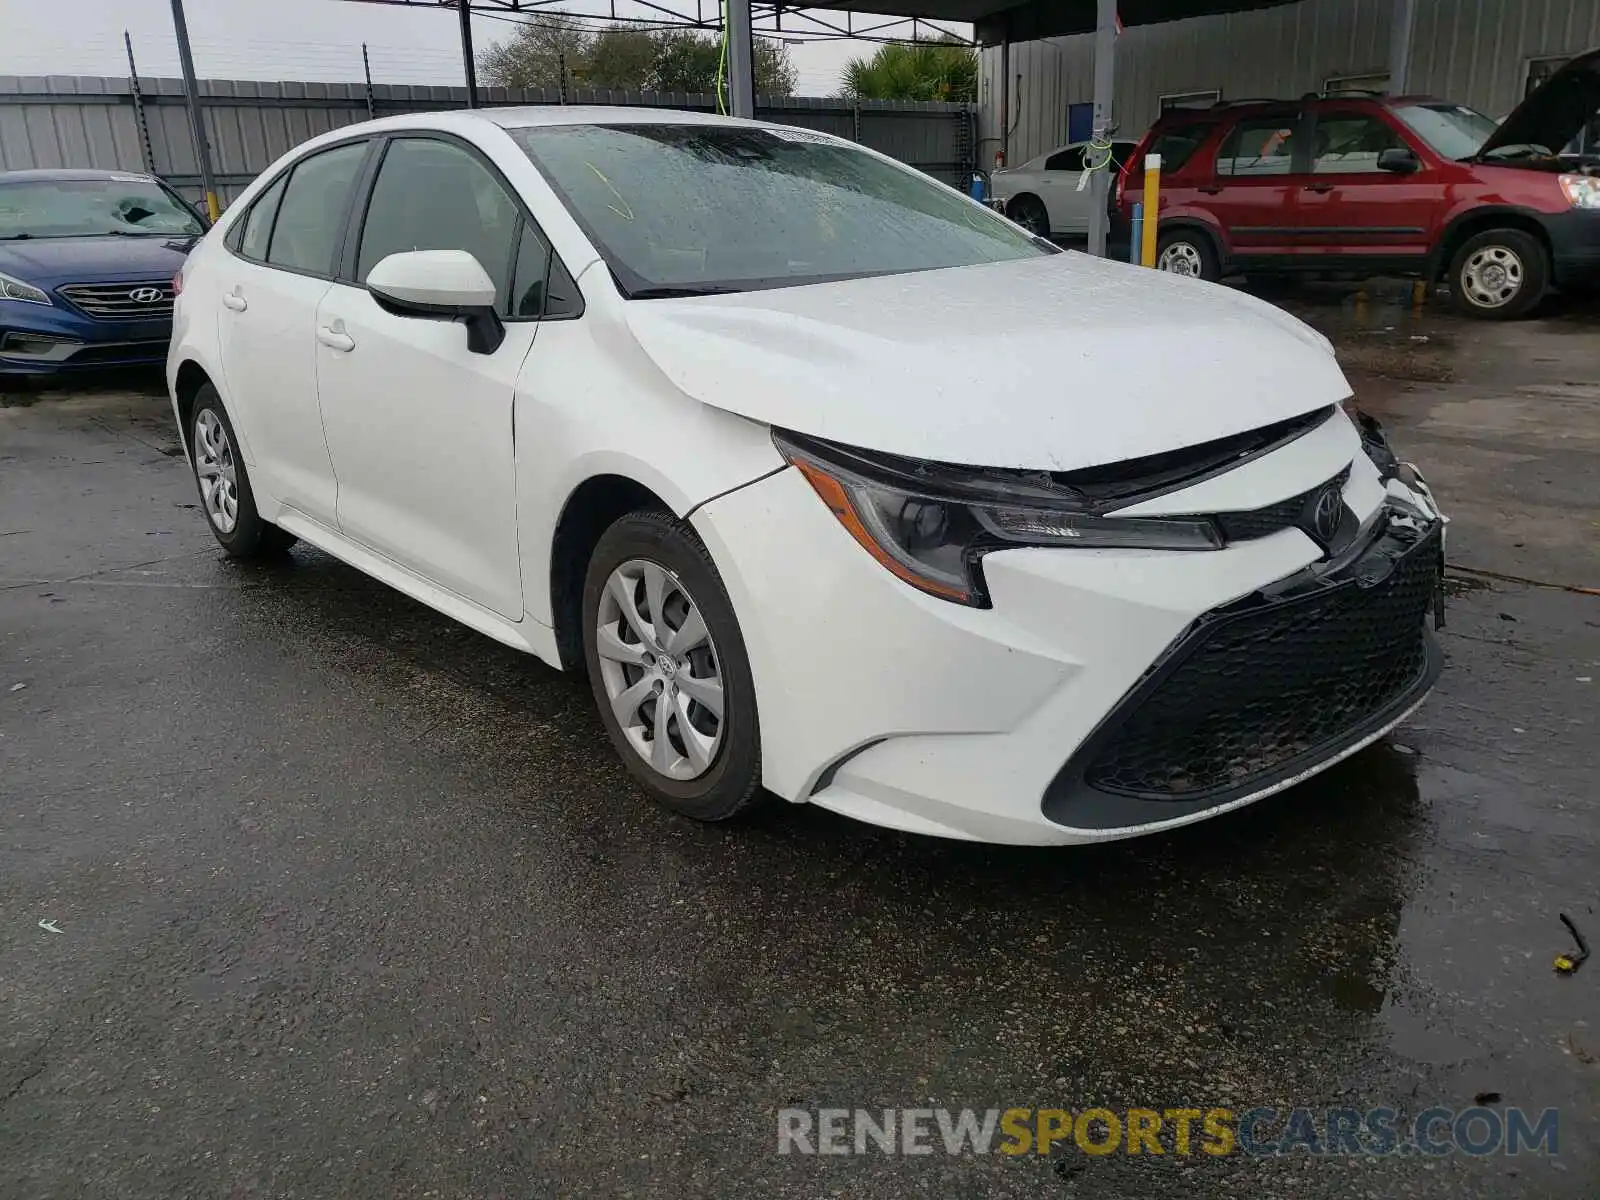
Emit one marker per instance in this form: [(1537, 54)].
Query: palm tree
[(941, 70)]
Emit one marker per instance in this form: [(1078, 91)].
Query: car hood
[(1556, 111), (1050, 363), (49, 262)]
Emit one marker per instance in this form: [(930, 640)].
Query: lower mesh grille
[(1255, 689)]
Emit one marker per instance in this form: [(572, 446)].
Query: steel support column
[(741, 59), (468, 64), (1404, 24), (202, 147), (1105, 66), (1005, 101)]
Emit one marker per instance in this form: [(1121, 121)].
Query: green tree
[(688, 61), (533, 56), (933, 70), (624, 57), (619, 57)]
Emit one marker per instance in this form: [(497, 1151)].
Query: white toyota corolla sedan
[(840, 486)]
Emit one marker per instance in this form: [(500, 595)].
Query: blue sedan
[(87, 260)]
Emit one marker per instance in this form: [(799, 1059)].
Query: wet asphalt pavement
[(354, 902)]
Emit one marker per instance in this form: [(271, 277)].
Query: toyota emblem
[(145, 295), (1323, 513)]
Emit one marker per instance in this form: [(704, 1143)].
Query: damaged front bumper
[(1272, 688)]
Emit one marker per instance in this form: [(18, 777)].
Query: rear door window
[(1258, 146), (1070, 159), (311, 216)]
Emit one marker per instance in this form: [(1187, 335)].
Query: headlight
[(15, 289), (1583, 191), (932, 523)]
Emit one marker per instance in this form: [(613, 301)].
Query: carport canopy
[(996, 21)]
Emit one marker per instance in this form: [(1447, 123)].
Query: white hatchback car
[(839, 485)]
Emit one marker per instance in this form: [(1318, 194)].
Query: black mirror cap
[(1399, 160), (485, 330)]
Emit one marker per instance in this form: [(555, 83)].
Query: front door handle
[(335, 339), (1211, 189), (1320, 188), (235, 301)]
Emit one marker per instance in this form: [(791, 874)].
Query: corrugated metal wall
[(1472, 51), (86, 121)]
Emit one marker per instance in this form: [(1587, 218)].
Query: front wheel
[(668, 667), (1185, 253), (1499, 274)]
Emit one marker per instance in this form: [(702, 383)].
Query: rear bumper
[(1574, 247), (36, 339)]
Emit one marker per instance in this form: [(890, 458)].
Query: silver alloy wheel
[(1182, 258), (660, 669), (1492, 276), (214, 467)]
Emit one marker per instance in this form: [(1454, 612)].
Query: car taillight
[(177, 284)]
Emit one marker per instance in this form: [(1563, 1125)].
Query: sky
[(300, 39)]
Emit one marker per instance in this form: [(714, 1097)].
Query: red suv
[(1366, 184)]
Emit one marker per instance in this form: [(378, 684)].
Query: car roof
[(68, 174), (531, 115), (1180, 114)]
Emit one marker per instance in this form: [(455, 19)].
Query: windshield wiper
[(14, 237), (673, 292)]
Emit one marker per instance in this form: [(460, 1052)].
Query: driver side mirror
[(446, 285), (1399, 160)]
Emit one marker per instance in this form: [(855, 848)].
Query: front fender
[(584, 410)]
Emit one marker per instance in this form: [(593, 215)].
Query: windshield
[(690, 209), (57, 208), (1452, 130)]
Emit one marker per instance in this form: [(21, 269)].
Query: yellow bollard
[(1152, 201), (212, 207)]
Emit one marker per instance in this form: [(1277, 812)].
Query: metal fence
[(123, 124)]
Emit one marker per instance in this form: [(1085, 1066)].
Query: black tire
[(1523, 275), (1192, 249), (250, 537), (731, 784), (1031, 214)]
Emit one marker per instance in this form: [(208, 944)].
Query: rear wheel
[(1030, 213), (668, 667), (225, 495), (1499, 274), (1182, 252)]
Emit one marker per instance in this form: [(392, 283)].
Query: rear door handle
[(235, 301), (1319, 187), (1210, 190), (335, 339)]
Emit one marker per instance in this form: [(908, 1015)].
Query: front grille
[(1286, 514), (115, 301), (1267, 685)]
